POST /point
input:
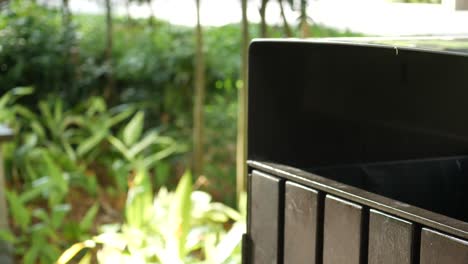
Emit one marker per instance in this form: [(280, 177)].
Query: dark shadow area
[(375, 117), (438, 185)]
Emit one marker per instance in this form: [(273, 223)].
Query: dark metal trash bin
[(357, 154)]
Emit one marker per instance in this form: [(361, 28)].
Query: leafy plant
[(59, 155), (184, 226), (134, 146), (141, 151)]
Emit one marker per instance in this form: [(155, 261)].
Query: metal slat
[(405, 211), (390, 239), (266, 218), (300, 224), (342, 231), (438, 248)]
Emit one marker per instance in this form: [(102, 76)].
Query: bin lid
[(434, 43), (325, 102)]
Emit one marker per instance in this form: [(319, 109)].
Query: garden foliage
[(65, 166), (153, 69), (184, 226), (83, 167)]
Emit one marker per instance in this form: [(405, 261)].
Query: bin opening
[(400, 119), (439, 185)]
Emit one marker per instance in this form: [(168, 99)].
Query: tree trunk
[(304, 25), (287, 28), (71, 52), (199, 98), (67, 33), (305, 29), (127, 9), (263, 23), (152, 16), (108, 91), (241, 155), (66, 14)]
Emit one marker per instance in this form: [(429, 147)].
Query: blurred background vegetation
[(109, 113)]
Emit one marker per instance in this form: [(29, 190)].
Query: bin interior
[(387, 120), (439, 185)]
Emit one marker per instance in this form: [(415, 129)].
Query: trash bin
[(357, 153)]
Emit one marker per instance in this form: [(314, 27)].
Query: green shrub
[(184, 226), (63, 160), (34, 50)]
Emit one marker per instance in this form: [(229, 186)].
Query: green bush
[(63, 160), (184, 226), (54, 158), (34, 50)]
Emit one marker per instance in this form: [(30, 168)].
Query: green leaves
[(8, 110), (57, 176), (91, 143), (132, 131), (138, 210), (58, 215), (13, 95), (50, 157), (179, 220), (18, 210), (145, 150), (172, 228), (88, 219), (130, 153), (71, 252)]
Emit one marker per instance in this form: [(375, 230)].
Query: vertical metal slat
[(438, 248), (342, 231), (300, 224), (390, 239), (266, 218)]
